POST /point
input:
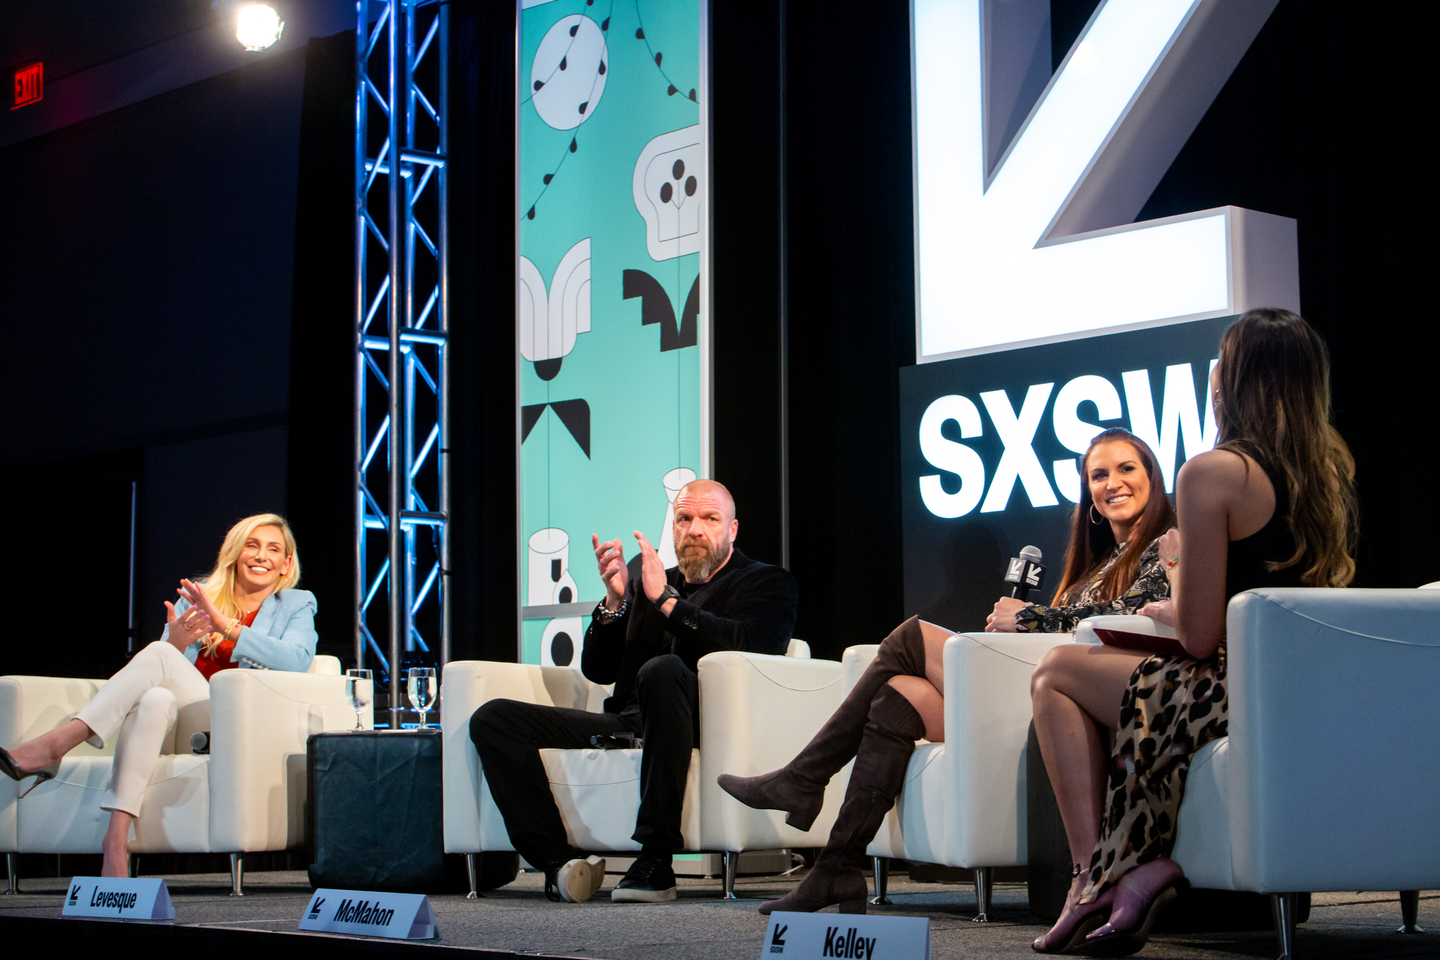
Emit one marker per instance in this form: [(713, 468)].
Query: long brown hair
[(1093, 544), (1273, 403)]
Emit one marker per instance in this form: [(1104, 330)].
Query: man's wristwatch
[(669, 593)]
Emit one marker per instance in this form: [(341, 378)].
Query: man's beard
[(697, 562)]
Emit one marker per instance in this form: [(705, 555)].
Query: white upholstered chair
[(246, 795), (756, 712), (1330, 777), (963, 802)]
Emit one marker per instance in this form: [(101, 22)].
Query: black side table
[(375, 814)]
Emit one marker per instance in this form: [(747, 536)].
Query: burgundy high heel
[(1106, 941), (1077, 921)]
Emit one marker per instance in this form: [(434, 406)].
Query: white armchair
[(963, 802), (246, 795), (756, 712), (1330, 777)]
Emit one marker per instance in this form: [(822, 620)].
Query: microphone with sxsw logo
[(1025, 573)]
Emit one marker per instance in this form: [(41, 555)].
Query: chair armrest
[(987, 722), (756, 713), (325, 665), (465, 685), (260, 723), (1335, 775), (30, 706)]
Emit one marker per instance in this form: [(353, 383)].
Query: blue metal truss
[(402, 491)]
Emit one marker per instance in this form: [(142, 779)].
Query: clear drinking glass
[(422, 689), (359, 687)]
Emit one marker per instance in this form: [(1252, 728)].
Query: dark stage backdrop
[(1316, 124), (175, 301)]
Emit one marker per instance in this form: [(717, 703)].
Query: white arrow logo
[(1046, 250)]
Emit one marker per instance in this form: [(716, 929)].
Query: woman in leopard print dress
[(1272, 505)]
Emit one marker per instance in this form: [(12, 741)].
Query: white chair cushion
[(1335, 780), (915, 828), (756, 713), (598, 792), (1202, 834), (64, 816)]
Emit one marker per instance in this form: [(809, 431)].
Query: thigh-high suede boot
[(880, 765), (798, 788)]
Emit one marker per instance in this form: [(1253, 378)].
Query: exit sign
[(29, 85)]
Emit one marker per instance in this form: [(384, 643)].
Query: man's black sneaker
[(574, 880), (649, 880)]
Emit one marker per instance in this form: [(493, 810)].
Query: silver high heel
[(13, 771)]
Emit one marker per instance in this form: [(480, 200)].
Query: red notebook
[(1141, 642)]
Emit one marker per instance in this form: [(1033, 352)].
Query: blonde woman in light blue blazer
[(247, 613)]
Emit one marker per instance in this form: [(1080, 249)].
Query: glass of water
[(359, 688), (422, 689)]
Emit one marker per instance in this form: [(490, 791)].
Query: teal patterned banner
[(613, 306)]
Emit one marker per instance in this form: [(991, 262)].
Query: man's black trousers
[(509, 734)]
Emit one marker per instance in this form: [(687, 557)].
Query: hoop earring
[(1093, 518)]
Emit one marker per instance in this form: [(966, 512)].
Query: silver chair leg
[(471, 869), (1282, 906), (12, 864), (237, 874), (882, 882), (731, 861), (1409, 910), (983, 876)]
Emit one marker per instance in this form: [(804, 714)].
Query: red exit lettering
[(29, 85)]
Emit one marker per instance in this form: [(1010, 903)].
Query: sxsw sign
[(1027, 184), (1044, 312), (1180, 421)]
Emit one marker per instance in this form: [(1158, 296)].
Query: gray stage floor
[(518, 919)]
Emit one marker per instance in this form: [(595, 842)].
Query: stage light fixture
[(258, 26)]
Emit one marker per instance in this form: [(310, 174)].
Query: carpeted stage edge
[(517, 921)]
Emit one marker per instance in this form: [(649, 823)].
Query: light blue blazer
[(282, 638)]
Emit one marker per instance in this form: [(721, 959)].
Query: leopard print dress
[(1172, 707)]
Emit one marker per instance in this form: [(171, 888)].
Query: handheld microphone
[(1025, 573)]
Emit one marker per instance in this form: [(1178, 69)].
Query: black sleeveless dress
[(1172, 707)]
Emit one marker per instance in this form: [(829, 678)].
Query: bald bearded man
[(646, 637)]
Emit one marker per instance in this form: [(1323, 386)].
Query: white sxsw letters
[(1177, 428)]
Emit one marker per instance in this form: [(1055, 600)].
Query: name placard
[(119, 898), (821, 936), (401, 916)]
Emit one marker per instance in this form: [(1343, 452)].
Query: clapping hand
[(652, 569), (610, 558), (186, 628), (192, 592)]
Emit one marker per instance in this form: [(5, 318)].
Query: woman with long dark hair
[(1112, 566), (245, 613), (1272, 505)]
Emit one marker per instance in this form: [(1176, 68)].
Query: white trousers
[(143, 701)]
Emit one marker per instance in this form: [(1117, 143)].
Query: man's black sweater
[(747, 605)]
